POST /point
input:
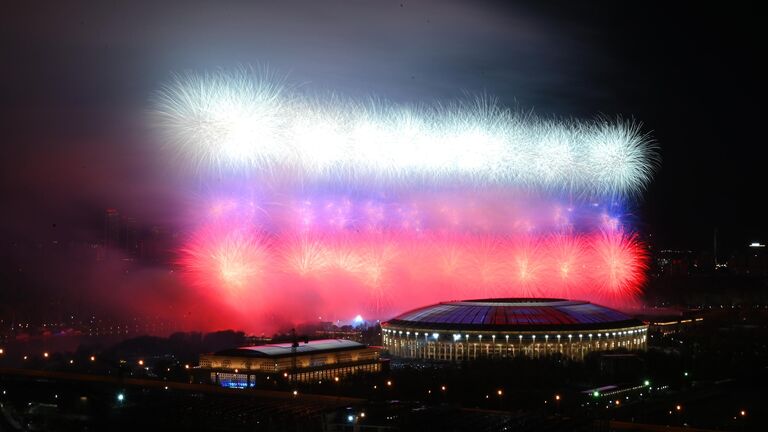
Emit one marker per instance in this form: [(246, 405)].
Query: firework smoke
[(395, 271), (339, 208)]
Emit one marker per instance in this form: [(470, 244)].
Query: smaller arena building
[(503, 328), (315, 360)]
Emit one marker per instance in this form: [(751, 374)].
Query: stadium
[(504, 328)]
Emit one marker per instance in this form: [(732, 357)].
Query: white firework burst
[(246, 120), (223, 119)]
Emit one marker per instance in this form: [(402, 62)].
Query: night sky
[(78, 78)]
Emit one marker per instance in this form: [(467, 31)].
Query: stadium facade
[(316, 360), (504, 328)]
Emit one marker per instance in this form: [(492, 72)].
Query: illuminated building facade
[(316, 360), (504, 328)]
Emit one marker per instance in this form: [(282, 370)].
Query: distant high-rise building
[(131, 237), (111, 229), (757, 259), (751, 260)]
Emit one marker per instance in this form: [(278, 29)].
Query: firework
[(335, 206), (305, 256), (408, 269), (460, 211), (246, 121), (619, 265), (229, 259), (223, 120), (567, 259)]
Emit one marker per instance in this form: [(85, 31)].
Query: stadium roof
[(284, 349), (512, 314)]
